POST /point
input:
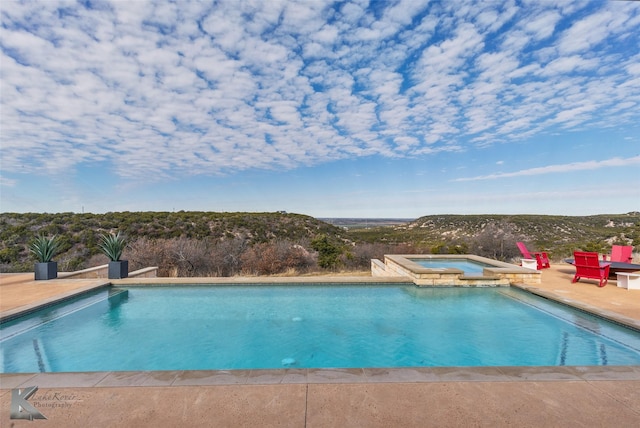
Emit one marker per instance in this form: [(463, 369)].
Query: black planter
[(119, 269), (47, 270)]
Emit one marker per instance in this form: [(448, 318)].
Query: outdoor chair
[(620, 253), (542, 259), (588, 266)]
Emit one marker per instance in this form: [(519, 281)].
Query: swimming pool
[(309, 326)]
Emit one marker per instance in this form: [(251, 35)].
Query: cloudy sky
[(332, 109)]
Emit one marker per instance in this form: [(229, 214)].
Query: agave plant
[(44, 248), (112, 245)]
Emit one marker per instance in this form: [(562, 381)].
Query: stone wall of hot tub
[(498, 274)]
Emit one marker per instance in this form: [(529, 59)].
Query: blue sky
[(331, 109)]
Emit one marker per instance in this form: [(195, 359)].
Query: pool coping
[(610, 316), (11, 314), (183, 378)]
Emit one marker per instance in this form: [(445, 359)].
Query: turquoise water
[(467, 266), (245, 327)]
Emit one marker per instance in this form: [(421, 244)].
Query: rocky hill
[(243, 239), (558, 234), (80, 233)]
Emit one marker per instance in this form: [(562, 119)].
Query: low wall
[(149, 272), (102, 271), (379, 269)]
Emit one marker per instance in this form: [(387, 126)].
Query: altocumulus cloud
[(177, 88)]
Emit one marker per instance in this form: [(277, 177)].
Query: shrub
[(328, 252), (497, 240), (190, 257), (145, 252), (275, 258), (595, 246), (9, 254), (226, 256)]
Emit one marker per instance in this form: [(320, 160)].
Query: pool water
[(309, 326), (467, 266)]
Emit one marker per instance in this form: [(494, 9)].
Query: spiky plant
[(44, 248), (112, 245)]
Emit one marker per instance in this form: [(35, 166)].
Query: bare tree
[(497, 240)]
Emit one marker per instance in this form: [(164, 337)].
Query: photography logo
[(21, 408)]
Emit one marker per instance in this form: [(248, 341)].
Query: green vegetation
[(495, 235), (112, 245), (328, 252), (44, 248), (223, 244), (184, 243)]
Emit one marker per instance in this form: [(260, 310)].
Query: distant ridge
[(559, 234), (359, 223)]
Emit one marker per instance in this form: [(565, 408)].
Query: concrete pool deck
[(442, 397)]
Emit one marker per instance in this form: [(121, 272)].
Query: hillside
[(80, 233), (559, 235), (223, 244)]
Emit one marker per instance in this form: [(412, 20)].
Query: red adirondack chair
[(542, 259), (588, 266), (620, 253)]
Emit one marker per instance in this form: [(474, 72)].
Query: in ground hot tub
[(447, 270)]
